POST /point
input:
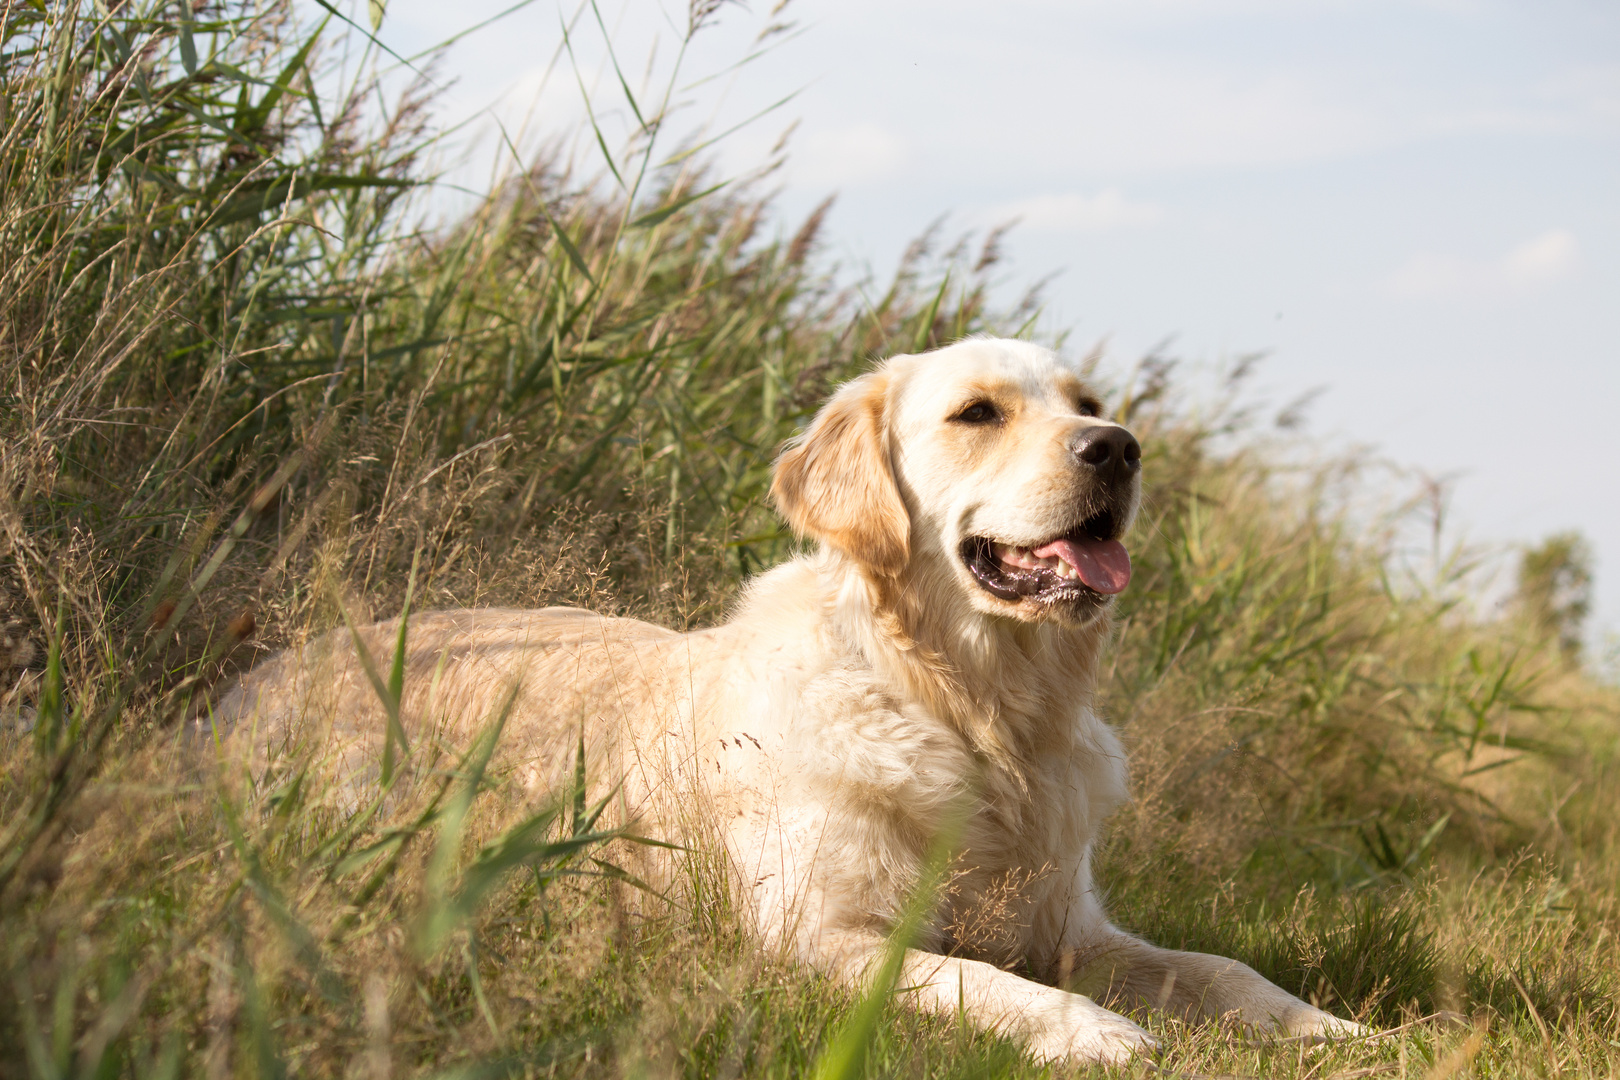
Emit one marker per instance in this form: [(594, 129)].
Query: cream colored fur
[(827, 729)]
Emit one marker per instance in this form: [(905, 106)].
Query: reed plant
[(246, 394)]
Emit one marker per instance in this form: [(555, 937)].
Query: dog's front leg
[(1054, 1024), (1117, 967)]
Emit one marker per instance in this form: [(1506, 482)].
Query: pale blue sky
[(1414, 203)]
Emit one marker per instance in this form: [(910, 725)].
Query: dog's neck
[(1017, 692)]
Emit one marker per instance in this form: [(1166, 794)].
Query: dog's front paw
[(1082, 1030), (1314, 1024)]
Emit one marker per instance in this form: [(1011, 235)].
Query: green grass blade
[(574, 255), (663, 213), (260, 113), (396, 673), (844, 1058), (578, 825), (442, 914), (613, 57), (925, 325), (375, 40), (590, 110), (188, 45), (705, 144), (50, 715), (395, 732)]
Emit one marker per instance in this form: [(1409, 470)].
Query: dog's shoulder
[(842, 725)]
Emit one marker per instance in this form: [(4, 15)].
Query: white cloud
[(1145, 114), (1537, 263), (1105, 88), (850, 155), (1590, 91), (1076, 212), (1201, 11)]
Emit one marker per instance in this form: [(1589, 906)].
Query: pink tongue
[(1105, 565)]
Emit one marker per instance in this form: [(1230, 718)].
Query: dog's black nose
[(1112, 451)]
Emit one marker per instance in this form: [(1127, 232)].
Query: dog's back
[(548, 676)]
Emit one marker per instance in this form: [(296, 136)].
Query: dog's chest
[(881, 777), (1023, 851)]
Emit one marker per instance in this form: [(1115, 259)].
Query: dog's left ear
[(835, 482)]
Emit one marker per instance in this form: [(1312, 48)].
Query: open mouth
[(1086, 564)]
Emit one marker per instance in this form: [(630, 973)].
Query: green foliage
[(1555, 589), (1300, 710), (848, 1049), (1365, 953)]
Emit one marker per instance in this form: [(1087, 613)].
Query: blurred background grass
[(242, 385)]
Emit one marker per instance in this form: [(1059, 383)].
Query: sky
[(1412, 206)]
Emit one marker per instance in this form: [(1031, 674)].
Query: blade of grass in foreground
[(528, 843), (845, 1055), (389, 693)]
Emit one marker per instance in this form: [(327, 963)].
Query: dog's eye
[(1090, 408), (980, 412)]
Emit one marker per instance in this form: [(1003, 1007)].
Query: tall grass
[(1365, 719), (244, 394)]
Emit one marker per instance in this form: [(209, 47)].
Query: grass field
[(243, 392)]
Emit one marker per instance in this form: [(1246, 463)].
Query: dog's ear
[(835, 483)]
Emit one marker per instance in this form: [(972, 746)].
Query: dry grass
[(228, 408)]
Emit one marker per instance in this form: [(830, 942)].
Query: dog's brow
[(986, 387), (1071, 387)]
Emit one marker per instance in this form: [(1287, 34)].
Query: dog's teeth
[(1023, 558), (1014, 556)]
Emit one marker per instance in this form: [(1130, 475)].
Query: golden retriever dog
[(939, 649)]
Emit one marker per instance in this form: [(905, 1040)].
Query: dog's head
[(987, 463)]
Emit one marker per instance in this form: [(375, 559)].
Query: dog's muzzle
[(1080, 568)]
